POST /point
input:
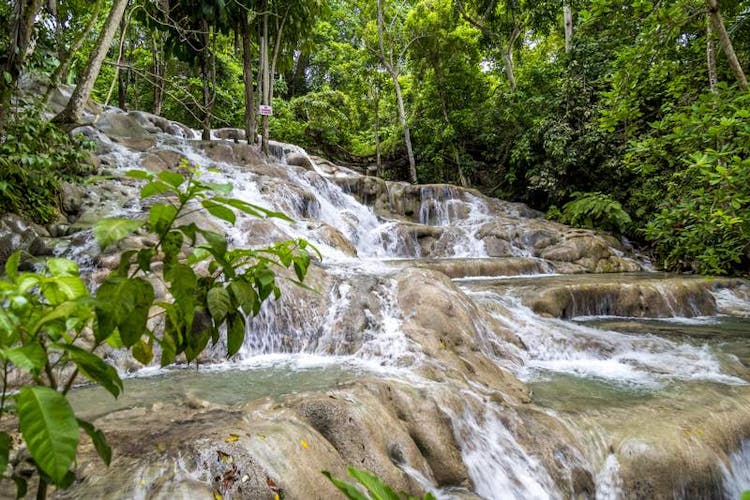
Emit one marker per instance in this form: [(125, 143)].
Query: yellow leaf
[(217, 496), (232, 438), (304, 443), (276, 497)]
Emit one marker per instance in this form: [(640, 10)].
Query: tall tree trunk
[(122, 72), (251, 125), (60, 74), (20, 37), (206, 77), (276, 50), (73, 111), (159, 70), (711, 56), (390, 66), (266, 79), (568, 21), (508, 58), (405, 126), (726, 43), (378, 159)]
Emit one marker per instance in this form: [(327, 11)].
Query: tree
[(74, 109), (21, 31), (392, 57)]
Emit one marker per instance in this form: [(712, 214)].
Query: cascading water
[(356, 320)]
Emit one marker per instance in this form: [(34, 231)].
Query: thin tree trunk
[(266, 80), (251, 125), (20, 36), (407, 133), (508, 58), (462, 181), (61, 71), (568, 20), (391, 68), (159, 70), (726, 43), (378, 159), (73, 111), (711, 56), (206, 77), (276, 50), (122, 73)]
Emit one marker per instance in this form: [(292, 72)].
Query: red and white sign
[(265, 110)]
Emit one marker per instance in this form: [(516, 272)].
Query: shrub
[(35, 156), (592, 210)]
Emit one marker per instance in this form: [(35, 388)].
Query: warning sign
[(265, 110)]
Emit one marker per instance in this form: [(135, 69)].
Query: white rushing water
[(295, 332)]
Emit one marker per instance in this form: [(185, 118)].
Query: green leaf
[(160, 217), (139, 174), (49, 428), (251, 209), (5, 445), (100, 442), (94, 368), (377, 488), (143, 352), (11, 265), (219, 211), (123, 303), (219, 188), (62, 311), (111, 230), (30, 357), (154, 188), (745, 495), (245, 296), (235, 333), (219, 303), (62, 267), (64, 288), (172, 178), (348, 489)]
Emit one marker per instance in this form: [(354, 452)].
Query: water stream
[(613, 377)]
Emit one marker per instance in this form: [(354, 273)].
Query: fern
[(593, 211)]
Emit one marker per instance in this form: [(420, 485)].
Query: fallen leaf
[(304, 443), (224, 457), (232, 438), (217, 496)]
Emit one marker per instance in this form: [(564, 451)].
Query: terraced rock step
[(644, 295)]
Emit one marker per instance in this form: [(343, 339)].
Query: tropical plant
[(375, 487), (35, 156), (592, 210), (52, 328)]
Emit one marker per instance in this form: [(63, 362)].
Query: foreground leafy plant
[(376, 487), (51, 326)]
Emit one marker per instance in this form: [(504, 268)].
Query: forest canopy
[(625, 115)]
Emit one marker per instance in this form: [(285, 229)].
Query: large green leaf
[(100, 442), (63, 288), (172, 178), (348, 489), (219, 211), (94, 368), (154, 188), (235, 333), (377, 488), (62, 267), (49, 428), (111, 230), (11, 265), (123, 303), (30, 357), (219, 303), (161, 216)]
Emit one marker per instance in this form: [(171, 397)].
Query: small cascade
[(736, 473), (608, 482), (498, 465), (567, 347), (440, 205)]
